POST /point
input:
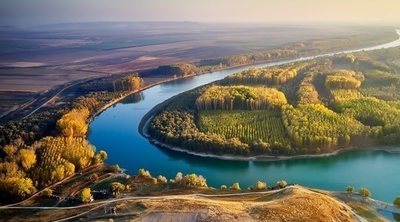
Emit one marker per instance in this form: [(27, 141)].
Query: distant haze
[(359, 12)]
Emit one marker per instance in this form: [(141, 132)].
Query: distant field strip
[(248, 126)]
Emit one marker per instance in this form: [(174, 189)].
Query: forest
[(51, 145), (313, 107)]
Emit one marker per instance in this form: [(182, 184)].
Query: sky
[(31, 12)]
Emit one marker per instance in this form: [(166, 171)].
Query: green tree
[(364, 192), (396, 201), (349, 189)]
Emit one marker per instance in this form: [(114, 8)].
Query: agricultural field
[(50, 56)]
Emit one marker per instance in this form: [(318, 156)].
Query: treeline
[(177, 70), (344, 80), (129, 83), (267, 76), (240, 97), (250, 58), (315, 128), (307, 93)]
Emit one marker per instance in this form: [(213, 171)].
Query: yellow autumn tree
[(86, 195), (74, 123), (27, 158)]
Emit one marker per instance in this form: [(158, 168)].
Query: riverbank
[(143, 130)]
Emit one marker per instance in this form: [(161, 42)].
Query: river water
[(116, 131)]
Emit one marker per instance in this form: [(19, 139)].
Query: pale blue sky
[(262, 11)]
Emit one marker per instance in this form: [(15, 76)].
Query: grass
[(248, 126)]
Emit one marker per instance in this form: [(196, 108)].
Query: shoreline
[(143, 130)]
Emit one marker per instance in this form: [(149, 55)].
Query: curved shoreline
[(143, 130)]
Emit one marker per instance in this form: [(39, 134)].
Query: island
[(314, 107)]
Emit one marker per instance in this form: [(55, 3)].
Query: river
[(116, 131)]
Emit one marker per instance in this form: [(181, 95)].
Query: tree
[(281, 183), (73, 123), (27, 158), (162, 179), (144, 173), (10, 149), (396, 201), (235, 186), (364, 192), (192, 180), (69, 169), (19, 188), (101, 156), (116, 188), (260, 185), (178, 177), (86, 195), (47, 192), (349, 189), (115, 168)]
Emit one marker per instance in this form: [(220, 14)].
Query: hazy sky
[(27, 12)]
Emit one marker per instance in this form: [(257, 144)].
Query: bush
[(144, 173), (162, 179), (223, 187), (396, 202), (349, 189), (47, 192), (93, 177), (235, 186), (260, 185), (364, 192), (115, 168), (281, 184)]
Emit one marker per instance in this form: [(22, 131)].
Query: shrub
[(162, 179), (396, 201), (364, 192), (144, 173), (235, 186), (47, 192), (260, 185), (223, 187), (281, 183), (115, 168), (349, 189)]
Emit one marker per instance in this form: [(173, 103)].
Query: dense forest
[(301, 108), (51, 145)]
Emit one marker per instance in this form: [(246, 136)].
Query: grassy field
[(248, 126)]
